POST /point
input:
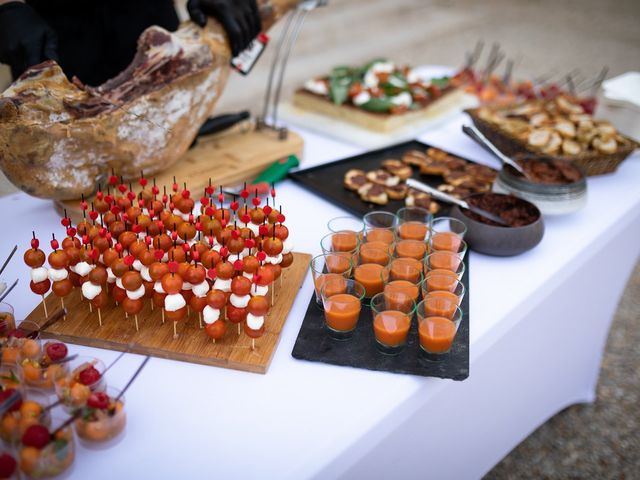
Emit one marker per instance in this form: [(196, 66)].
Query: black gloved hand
[(240, 18), (25, 38)]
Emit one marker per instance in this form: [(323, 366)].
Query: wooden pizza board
[(228, 158), (155, 338)]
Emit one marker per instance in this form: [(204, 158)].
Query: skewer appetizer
[(217, 260)]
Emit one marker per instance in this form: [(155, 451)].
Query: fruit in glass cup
[(9, 378), (103, 418), (8, 464), (75, 388), (26, 411), (7, 323), (16, 340), (41, 370), (44, 456)]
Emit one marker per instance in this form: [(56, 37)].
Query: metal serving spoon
[(445, 197), (475, 134)]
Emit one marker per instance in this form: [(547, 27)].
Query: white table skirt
[(539, 322)]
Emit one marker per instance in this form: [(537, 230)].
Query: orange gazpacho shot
[(400, 293), (440, 280), (391, 327), (345, 241), (384, 235), (372, 276), (416, 249), (374, 252), (436, 334), (342, 311), (438, 305), (413, 231), (445, 241), (336, 283)]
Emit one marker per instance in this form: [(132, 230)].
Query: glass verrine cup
[(54, 458), (7, 319), (342, 302), (444, 283), (445, 231), (38, 371), (329, 266), (83, 376), (413, 223), (409, 248), (17, 338), (375, 252), (33, 408), (446, 261), (436, 333), (342, 240), (103, 418), (379, 219), (405, 276), (346, 224), (392, 314), (10, 463), (371, 270)]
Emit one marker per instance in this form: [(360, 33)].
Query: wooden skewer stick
[(239, 332), (136, 319), (175, 331), (213, 340), (151, 302), (64, 309), (200, 318), (90, 308), (273, 289), (44, 305), (99, 317), (253, 344), (163, 316)]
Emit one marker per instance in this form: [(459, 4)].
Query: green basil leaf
[(377, 104), (339, 89), (441, 82)]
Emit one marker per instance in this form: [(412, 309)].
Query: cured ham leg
[(59, 137)]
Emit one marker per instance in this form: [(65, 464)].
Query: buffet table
[(539, 325)]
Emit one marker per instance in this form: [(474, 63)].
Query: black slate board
[(314, 344), (327, 180)]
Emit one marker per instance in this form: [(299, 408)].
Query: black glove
[(25, 38), (240, 18)]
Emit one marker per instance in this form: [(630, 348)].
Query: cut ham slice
[(59, 138)]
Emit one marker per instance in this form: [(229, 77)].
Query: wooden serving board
[(228, 158), (155, 338)]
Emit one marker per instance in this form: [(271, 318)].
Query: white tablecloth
[(538, 326)]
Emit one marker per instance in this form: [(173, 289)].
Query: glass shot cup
[(52, 460), (413, 223), (392, 313), (405, 276), (409, 248), (7, 319), (100, 425), (436, 333), (74, 386), (329, 266), (371, 270), (342, 302), (447, 261), (445, 284), (380, 227), (341, 242), (445, 230), (347, 224)]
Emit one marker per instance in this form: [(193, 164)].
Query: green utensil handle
[(278, 170)]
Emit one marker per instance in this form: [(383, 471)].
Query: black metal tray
[(314, 344), (327, 180)]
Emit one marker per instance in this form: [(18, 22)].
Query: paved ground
[(587, 441)]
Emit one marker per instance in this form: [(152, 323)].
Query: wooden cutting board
[(154, 338), (228, 158)]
